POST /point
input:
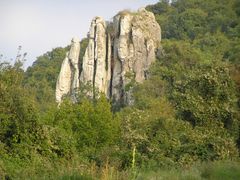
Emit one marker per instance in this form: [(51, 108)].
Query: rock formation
[(118, 54), (68, 79), (95, 72), (137, 36)]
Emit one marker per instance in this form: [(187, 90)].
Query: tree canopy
[(186, 112)]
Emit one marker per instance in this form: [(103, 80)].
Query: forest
[(184, 124)]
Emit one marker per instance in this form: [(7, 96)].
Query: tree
[(91, 124), (201, 91), (42, 77), (18, 114)]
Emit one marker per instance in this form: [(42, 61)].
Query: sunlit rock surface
[(118, 53), (68, 79)]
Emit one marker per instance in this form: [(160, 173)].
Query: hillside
[(184, 121)]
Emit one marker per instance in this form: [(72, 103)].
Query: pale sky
[(40, 25)]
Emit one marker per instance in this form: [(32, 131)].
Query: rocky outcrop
[(137, 36), (68, 79), (118, 54), (64, 80), (95, 66)]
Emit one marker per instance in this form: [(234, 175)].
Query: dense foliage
[(185, 114)]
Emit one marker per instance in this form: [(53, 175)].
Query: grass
[(221, 170)]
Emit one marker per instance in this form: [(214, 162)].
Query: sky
[(41, 25)]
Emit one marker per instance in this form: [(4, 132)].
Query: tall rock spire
[(95, 71), (68, 79), (137, 38)]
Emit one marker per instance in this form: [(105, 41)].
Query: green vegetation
[(184, 123), (41, 77)]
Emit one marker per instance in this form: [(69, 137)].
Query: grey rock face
[(137, 36), (118, 54), (63, 85), (95, 66), (68, 79)]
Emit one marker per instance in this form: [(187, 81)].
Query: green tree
[(201, 91), (91, 123), (42, 76), (18, 113)]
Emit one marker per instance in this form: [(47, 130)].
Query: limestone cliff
[(95, 65), (68, 79), (137, 37), (118, 53)]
